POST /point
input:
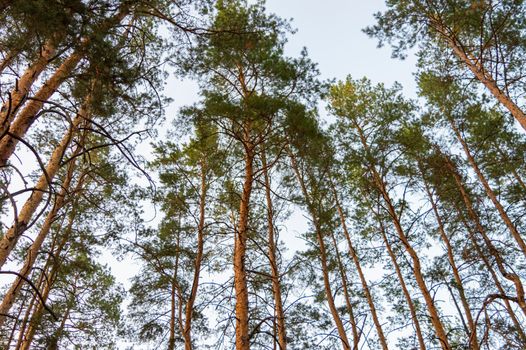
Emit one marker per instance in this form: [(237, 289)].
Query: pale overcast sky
[(332, 32)]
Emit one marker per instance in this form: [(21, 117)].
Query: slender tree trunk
[(276, 284), (20, 91), (489, 191), (33, 251), (401, 279), (176, 290), (240, 245), (17, 319), (417, 268), (347, 297), (514, 278), (494, 276), (54, 261), (171, 336), (474, 344), (478, 70), (34, 300), (323, 258), (26, 338), (11, 237), (363, 281), (30, 113), (198, 259)]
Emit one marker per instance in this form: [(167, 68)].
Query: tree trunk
[(478, 70), (346, 295), (276, 284), (30, 113), (17, 319), (171, 336), (20, 91), (489, 191), (241, 234), (198, 260), (35, 301), (363, 281), (474, 344), (493, 274), (11, 237), (55, 262), (323, 258), (513, 277), (401, 279), (33, 251), (417, 268)]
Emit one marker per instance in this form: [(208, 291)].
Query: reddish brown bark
[(11, 237), (343, 275), (323, 257), (20, 91), (479, 71), (474, 343), (417, 268), (405, 290), (27, 116), (14, 291), (54, 262), (276, 284), (240, 246), (361, 275), (198, 259), (489, 191), (513, 277)]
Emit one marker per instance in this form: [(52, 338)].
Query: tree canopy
[(280, 210)]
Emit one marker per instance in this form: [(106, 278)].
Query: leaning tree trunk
[(474, 343), (19, 93), (34, 249), (55, 260), (403, 285), (489, 191), (25, 118), (323, 258), (11, 237), (489, 268), (198, 259), (276, 284), (361, 275), (479, 71), (346, 294), (501, 265), (30, 113), (417, 267)]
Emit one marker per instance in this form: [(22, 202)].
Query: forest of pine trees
[(414, 209)]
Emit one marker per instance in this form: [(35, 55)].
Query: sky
[(333, 35)]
